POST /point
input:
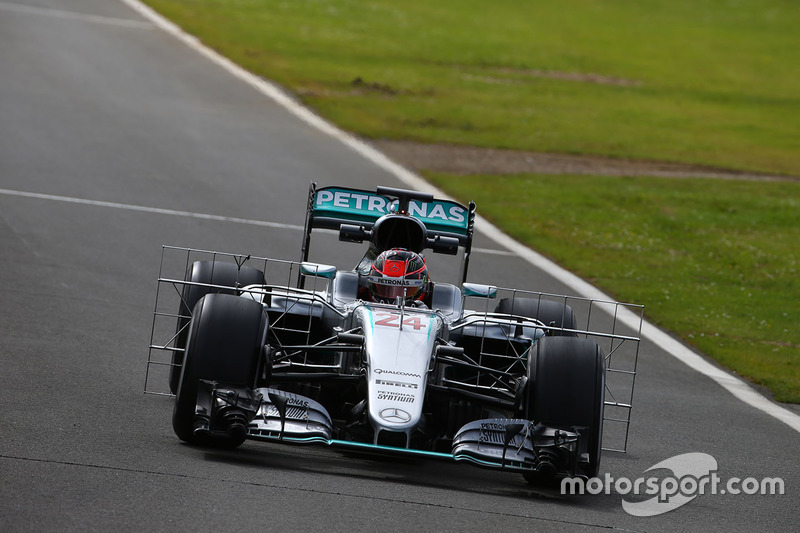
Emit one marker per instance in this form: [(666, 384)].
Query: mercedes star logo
[(395, 415)]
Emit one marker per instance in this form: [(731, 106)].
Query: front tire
[(206, 273), (567, 380), (226, 337)]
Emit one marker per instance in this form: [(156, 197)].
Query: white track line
[(156, 210), (734, 385), (73, 15)]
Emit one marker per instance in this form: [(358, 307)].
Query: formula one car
[(383, 359)]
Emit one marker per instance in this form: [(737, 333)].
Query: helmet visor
[(387, 288)]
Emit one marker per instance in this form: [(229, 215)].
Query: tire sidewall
[(567, 388), (226, 338), (205, 273)]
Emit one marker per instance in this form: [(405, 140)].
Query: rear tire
[(226, 337), (208, 273), (548, 312), (567, 389)]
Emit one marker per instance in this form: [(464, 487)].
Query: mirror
[(478, 290), (317, 270)]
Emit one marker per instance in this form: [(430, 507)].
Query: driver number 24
[(392, 320)]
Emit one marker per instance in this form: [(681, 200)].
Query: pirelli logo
[(401, 384)]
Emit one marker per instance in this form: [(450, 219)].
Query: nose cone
[(399, 346)]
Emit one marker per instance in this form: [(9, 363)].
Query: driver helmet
[(397, 272)]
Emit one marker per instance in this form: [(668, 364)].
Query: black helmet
[(398, 272)]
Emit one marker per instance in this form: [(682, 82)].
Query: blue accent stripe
[(391, 449), (388, 450)]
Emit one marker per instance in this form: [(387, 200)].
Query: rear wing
[(332, 207)]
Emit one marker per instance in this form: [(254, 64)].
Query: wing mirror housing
[(318, 271), (478, 290)]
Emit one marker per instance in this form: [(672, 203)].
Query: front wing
[(275, 415)]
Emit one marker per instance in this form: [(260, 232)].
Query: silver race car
[(383, 359)]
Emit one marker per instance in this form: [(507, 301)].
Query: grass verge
[(697, 81), (717, 262)]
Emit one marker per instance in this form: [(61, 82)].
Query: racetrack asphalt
[(98, 104)]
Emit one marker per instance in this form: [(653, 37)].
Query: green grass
[(700, 81), (720, 265), (710, 81)]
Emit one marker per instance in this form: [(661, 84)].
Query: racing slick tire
[(207, 273), (550, 313), (226, 338), (567, 390)]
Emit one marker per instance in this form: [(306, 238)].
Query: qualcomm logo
[(396, 373)]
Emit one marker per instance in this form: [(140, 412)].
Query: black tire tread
[(208, 273), (226, 337), (567, 380)]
